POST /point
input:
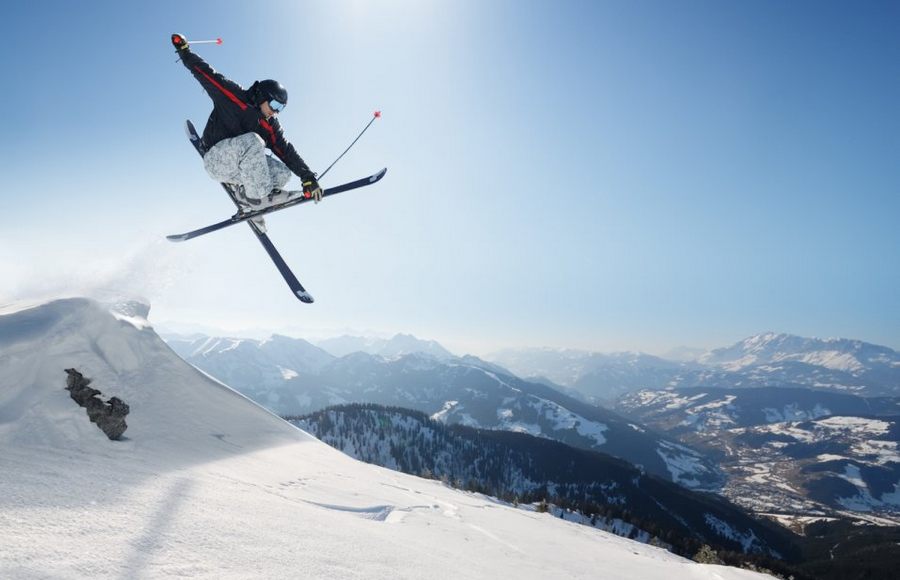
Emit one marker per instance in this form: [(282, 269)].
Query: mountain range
[(464, 390)]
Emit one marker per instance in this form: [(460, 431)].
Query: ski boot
[(247, 204), (280, 196), (276, 197)]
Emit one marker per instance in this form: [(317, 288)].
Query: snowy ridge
[(209, 485), (797, 359)]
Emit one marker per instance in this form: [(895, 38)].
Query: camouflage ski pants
[(243, 160)]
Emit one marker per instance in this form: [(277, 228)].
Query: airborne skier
[(242, 125)]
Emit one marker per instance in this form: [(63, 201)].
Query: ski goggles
[(276, 106)]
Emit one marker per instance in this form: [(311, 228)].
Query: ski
[(296, 287), (242, 217)]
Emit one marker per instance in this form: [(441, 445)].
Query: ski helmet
[(268, 90)]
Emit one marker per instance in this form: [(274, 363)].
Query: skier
[(242, 125)]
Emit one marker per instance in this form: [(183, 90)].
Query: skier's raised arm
[(242, 125), (216, 85)]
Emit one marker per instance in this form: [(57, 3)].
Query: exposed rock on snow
[(108, 416)]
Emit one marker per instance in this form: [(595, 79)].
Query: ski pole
[(216, 41), (376, 115)]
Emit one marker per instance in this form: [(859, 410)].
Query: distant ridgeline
[(607, 492)]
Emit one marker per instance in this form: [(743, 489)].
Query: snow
[(833, 359), (793, 412), (740, 363), (682, 463), (748, 540), (790, 521), (881, 452), (789, 429), (563, 420), (445, 410), (726, 402), (467, 420), (852, 474), (863, 501), (509, 423), (856, 424), (496, 378), (676, 401), (522, 427), (206, 484), (762, 472)]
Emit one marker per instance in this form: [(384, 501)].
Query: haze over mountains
[(399, 344), (767, 359)]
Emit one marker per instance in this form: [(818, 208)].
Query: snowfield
[(206, 484)]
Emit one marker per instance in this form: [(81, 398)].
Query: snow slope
[(207, 484)]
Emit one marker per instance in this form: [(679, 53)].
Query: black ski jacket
[(233, 114)]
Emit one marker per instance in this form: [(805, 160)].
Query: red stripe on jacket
[(225, 91), (265, 125)]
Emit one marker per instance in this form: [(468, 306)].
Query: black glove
[(311, 189), (179, 42)]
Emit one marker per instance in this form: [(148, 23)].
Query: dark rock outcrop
[(109, 416)]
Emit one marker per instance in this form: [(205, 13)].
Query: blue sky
[(603, 175)]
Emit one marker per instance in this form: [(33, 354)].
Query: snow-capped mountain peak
[(852, 356)]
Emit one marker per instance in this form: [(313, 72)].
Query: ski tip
[(305, 297), (378, 175)]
